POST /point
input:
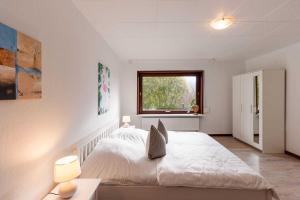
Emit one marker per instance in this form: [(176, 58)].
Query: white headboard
[(84, 147)]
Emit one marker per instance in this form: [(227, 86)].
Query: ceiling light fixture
[(222, 23)]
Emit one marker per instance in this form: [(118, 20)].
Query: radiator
[(173, 124)]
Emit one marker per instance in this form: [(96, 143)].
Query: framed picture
[(103, 89), (20, 65)]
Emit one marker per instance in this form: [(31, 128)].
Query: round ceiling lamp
[(222, 23)]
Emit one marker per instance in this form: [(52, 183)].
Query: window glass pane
[(175, 93)]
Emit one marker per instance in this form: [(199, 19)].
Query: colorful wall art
[(20, 65), (103, 89)]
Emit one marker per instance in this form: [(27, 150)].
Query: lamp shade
[(66, 169), (126, 119)]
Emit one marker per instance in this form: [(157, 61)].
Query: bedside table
[(86, 190)]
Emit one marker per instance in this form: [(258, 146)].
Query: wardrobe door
[(247, 107), (236, 107)]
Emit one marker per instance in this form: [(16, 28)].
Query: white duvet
[(197, 160), (192, 160)]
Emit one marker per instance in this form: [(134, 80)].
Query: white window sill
[(170, 115)]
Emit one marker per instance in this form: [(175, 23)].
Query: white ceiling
[(179, 29)]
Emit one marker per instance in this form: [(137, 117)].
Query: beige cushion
[(156, 144), (161, 128)]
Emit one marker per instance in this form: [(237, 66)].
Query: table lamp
[(126, 120), (65, 171)]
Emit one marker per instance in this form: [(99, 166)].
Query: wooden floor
[(281, 170)]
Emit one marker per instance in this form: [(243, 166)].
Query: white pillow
[(117, 161), (137, 136)]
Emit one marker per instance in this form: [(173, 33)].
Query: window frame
[(199, 88)]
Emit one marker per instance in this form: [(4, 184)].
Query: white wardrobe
[(259, 109)]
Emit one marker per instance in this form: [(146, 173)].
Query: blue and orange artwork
[(20, 65), (103, 89)]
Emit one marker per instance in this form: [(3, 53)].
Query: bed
[(195, 167)]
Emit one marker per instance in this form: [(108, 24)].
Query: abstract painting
[(103, 89), (20, 65)]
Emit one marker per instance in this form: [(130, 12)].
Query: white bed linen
[(197, 160), (192, 160), (121, 160), (133, 135)]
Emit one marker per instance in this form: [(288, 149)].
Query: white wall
[(33, 133), (288, 58), (217, 94)]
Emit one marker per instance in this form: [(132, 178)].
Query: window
[(169, 92)]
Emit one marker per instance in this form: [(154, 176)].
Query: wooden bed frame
[(107, 192), (139, 192)]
